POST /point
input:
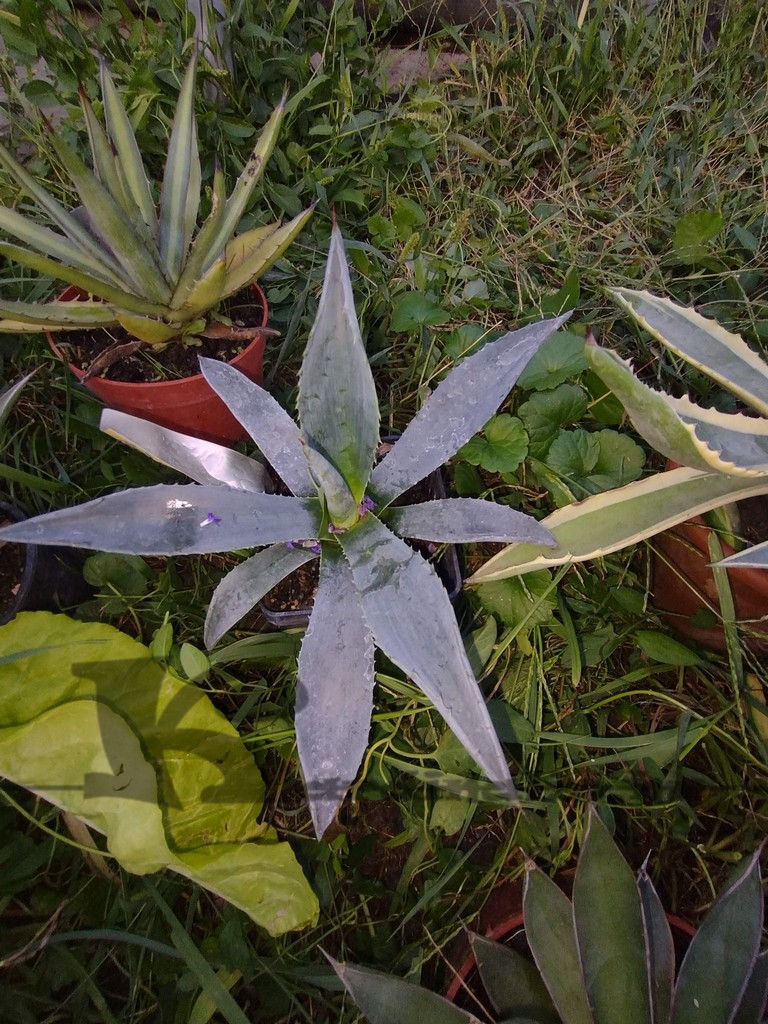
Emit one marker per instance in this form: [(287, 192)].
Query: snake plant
[(723, 457), (374, 588), (604, 957), (144, 264)]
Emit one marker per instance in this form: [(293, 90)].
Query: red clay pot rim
[(70, 293)]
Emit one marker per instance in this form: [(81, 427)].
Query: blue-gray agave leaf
[(413, 622), (755, 557), (466, 520), (9, 396), (659, 950), (202, 461), (270, 426), (247, 583), (338, 409), (340, 503), (173, 520), (334, 693), (460, 406)]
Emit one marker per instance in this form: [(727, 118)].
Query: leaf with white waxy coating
[(610, 521), (180, 194), (334, 690), (9, 395), (465, 521), (385, 999), (704, 343), (752, 1003), (270, 426), (458, 408), (659, 949), (551, 936), (700, 438), (173, 520), (247, 583), (755, 557), (338, 409), (412, 620), (609, 930), (716, 968), (202, 461), (512, 982)]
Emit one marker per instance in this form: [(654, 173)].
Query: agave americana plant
[(374, 588), (604, 957), (723, 456), (142, 264)]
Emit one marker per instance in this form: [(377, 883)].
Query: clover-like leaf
[(530, 599), (502, 447), (546, 412), (560, 357)]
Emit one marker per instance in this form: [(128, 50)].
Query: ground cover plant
[(624, 150)]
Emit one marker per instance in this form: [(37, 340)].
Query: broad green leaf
[(699, 438), (180, 194), (51, 316), (752, 1003), (502, 448), (608, 522), (127, 150), (723, 952), (334, 690), (573, 454), (552, 939), (693, 230), (546, 412), (413, 622), (620, 460), (704, 343), (531, 600), (173, 520), (9, 395), (660, 950), (386, 999), (338, 409), (237, 202), (412, 310), (249, 255), (449, 813), (512, 982), (194, 663), (98, 727), (465, 521), (202, 461), (665, 649), (153, 332), (270, 426), (756, 557), (609, 930), (457, 409), (246, 584), (128, 574), (559, 358)]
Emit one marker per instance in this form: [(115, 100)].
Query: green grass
[(561, 159)]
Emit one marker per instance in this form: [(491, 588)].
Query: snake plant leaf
[(704, 343), (246, 584), (551, 936), (167, 519), (55, 316), (755, 557), (127, 151), (200, 247), (270, 426), (385, 999), (92, 723), (412, 621), (180, 193), (512, 982), (334, 690), (466, 520), (700, 438), (202, 461), (458, 408), (249, 178), (9, 395), (723, 952), (338, 409), (249, 255), (609, 930), (660, 950), (752, 1004), (610, 521)]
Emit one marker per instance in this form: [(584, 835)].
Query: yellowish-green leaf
[(249, 255), (153, 332)]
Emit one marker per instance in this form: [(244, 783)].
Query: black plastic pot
[(447, 567), (52, 579)]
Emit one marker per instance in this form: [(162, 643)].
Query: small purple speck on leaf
[(335, 529), (211, 518), (367, 505), (315, 547), (290, 545)]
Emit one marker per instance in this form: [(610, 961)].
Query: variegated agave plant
[(723, 456), (606, 957), (374, 588), (142, 264)]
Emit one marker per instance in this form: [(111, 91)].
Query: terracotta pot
[(187, 404), (684, 584)]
